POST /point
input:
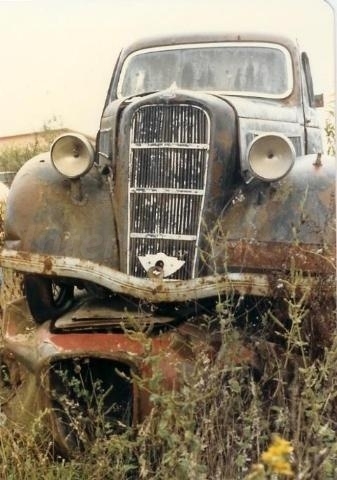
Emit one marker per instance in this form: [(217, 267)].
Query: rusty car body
[(208, 180)]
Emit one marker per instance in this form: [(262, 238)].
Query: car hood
[(262, 109)]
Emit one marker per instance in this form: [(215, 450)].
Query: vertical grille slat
[(169, 147)]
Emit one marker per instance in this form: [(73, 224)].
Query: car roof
[(212, 37)]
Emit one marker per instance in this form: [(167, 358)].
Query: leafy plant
[(330, 133)]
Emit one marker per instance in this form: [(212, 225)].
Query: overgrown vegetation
[(12, 158), (330, 133), (257, 409)]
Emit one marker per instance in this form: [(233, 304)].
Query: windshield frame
[(276, 46)]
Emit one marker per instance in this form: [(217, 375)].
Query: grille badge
[(170, 264)]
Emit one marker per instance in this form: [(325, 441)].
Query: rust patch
[(48, 265), (260, 256)]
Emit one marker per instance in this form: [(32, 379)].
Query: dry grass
[(221, 420)]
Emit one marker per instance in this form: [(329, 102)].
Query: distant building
[(42, 138)]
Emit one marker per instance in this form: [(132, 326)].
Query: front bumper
[(153, 290)]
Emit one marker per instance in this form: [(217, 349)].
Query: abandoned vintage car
[(208, 181)]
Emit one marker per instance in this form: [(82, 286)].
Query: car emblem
[(160, 265)]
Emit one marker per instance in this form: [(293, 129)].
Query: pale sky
[(57, 56)]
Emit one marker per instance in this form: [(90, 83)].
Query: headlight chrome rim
[(270, 156), (72, 155)]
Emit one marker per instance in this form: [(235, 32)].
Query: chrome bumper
[(153, 290)]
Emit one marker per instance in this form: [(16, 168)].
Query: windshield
[(250, 69)]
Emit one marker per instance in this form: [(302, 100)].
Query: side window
[(308, 79)]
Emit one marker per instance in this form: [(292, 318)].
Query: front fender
[(281, 224), (42, 216)]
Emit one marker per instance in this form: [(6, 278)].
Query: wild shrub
[(329, 130), (13, 157)]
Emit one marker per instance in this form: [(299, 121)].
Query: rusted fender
[(53, 221), (299, 209), (152, 290), (280, 225)]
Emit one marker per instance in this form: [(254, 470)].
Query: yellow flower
[(276, 458)]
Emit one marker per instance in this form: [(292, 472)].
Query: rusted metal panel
[(275, 256)]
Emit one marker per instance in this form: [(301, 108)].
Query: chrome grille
[(167, 176)]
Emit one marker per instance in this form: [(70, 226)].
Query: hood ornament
[(171, 91)]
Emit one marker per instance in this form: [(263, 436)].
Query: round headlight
[(72, 155), (271, 156)]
